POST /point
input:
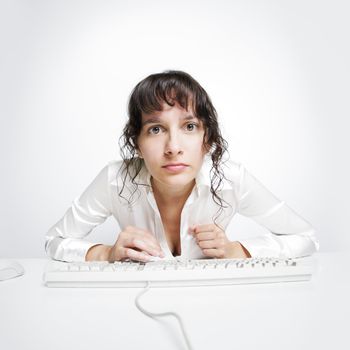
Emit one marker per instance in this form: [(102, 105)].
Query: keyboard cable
[(154, 315)]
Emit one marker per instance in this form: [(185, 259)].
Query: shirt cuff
[(68, 249), (259, 247), (281, 246)]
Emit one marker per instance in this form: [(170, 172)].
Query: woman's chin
[(177, 181)]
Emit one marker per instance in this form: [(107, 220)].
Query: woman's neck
[(171, 196)]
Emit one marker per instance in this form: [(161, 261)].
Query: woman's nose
[(173, 145)]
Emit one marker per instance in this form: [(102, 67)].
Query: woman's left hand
[(215, 244)]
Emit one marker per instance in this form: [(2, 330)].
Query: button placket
[(185, 237), (160, 233)]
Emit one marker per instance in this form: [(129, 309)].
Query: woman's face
[(171, 144)]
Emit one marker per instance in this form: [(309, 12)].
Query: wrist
[(99, 252), (237, 250)]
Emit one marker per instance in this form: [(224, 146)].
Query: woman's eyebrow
[(155, 119)]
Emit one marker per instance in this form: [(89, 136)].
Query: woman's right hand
[(136, 244)]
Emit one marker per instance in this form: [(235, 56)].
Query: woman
[(172, 194)]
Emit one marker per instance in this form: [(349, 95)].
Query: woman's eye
[(154, 130), (191, 126)]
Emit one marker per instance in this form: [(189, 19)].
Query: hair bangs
[(151, 95)]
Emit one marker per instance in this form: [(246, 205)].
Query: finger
[(211, 244), (203, 236), (213, 253), (143, 235), (143, 244), (203, 228), (134, 255)]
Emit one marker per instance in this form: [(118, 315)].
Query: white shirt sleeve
[(290, 235), (64, 240)]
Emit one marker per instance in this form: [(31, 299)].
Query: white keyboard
[(175, 273)]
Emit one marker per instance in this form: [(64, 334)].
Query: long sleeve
[(65, 240), (290, 235)]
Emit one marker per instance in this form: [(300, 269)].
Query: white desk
[(288, 316)]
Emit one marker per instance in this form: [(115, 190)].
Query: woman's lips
[(175, 168)]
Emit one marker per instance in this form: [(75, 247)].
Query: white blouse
[(290, 235)]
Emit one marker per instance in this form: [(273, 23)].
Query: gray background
[(277, 72)]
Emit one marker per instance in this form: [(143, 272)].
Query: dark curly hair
[(148, 95)]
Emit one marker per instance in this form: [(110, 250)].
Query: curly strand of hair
[(131, 166)]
